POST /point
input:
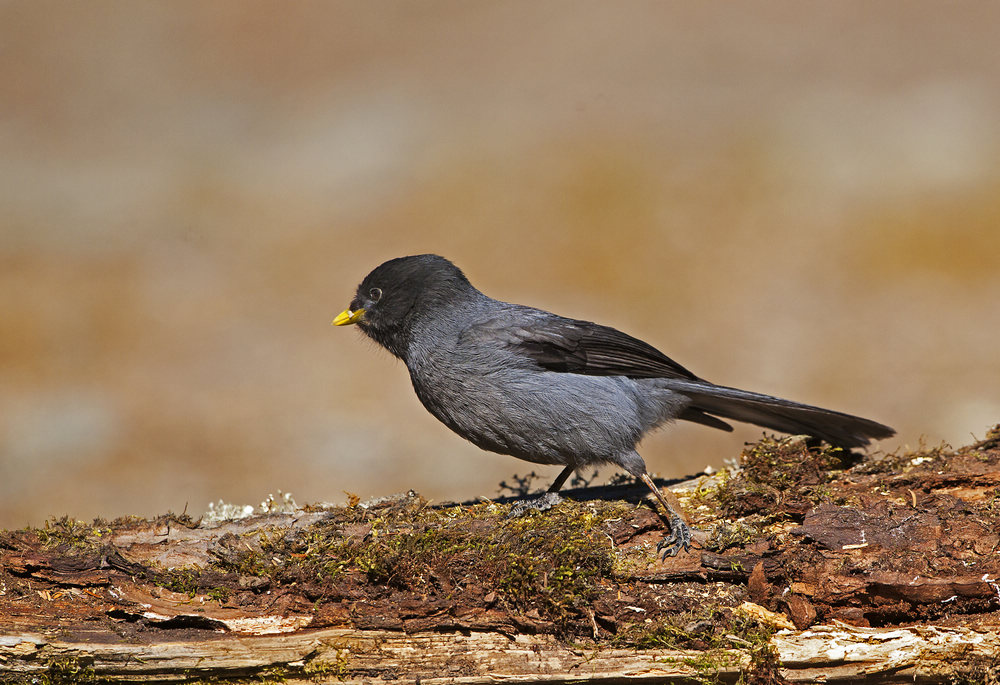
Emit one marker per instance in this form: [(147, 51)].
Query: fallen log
[(806, 568)]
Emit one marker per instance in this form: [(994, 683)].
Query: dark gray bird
[(551, 390)]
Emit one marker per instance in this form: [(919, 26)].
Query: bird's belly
[(542, 417)]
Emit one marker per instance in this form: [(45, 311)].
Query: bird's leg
[(680, 533), (546, 500), (560, 479)]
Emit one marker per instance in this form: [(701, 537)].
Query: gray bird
[(551, 390)]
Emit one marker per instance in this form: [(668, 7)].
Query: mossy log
[(808, 566)]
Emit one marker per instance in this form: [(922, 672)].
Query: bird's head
[(393, 297)]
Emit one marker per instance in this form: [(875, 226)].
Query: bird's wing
[(565, 345)]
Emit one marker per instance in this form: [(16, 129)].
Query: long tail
[(775, 413)]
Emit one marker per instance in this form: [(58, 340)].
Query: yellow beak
[(347, 317)]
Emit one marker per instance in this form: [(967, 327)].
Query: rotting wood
[(913, 654), (831, 653), (400, 590), (362, 656)]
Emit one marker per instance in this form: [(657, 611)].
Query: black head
[(397, 293)]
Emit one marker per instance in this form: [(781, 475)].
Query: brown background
[(795, 198)]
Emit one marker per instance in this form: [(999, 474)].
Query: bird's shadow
[(620, 487)]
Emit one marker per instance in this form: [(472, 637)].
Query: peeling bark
[(804, 570)]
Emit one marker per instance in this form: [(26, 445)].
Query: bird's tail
[(835, 427)]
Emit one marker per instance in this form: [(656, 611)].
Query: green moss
[(323, 668), (728, 534), (77, 535), (903, 461), (773, 471), (64, 670), (183, 581), (219, 594), (193, 581), (723, 640), (552, 563), (789, 462)]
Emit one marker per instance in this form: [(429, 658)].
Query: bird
[(548, 389)]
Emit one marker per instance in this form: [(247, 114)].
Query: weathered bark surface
[(804, 569), (830, 653)]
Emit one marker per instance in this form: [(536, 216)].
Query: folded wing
[(563, 345)]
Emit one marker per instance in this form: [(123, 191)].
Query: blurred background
[(796, 198)]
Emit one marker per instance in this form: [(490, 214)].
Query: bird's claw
[(546, 500), (679, 537)]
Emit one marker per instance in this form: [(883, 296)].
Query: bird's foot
[(678, 538), (546, 500)]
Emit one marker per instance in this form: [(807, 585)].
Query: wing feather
[(565, 345)]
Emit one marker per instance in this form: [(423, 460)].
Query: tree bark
[(804, 570)]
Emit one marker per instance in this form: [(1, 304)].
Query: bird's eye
[(375, 294)]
